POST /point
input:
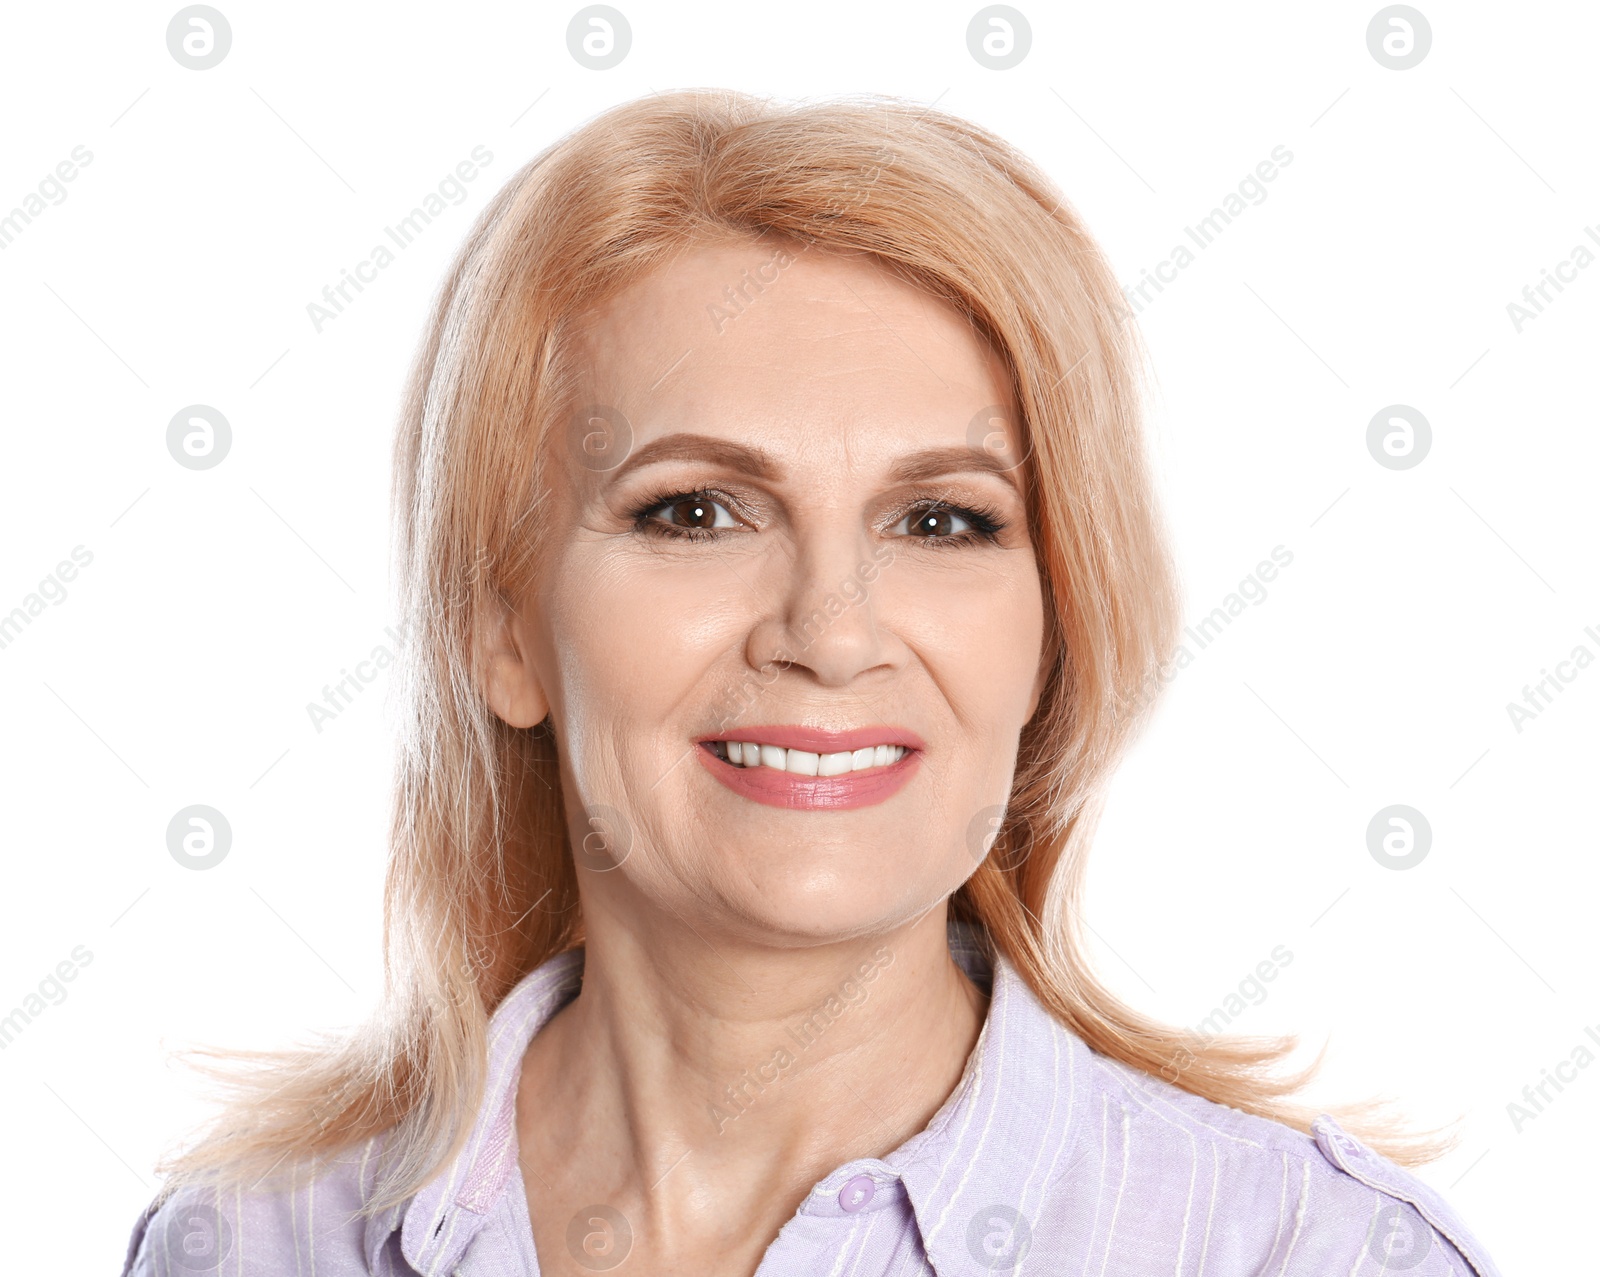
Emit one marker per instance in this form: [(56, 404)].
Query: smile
[(813, 770), (803, 762)]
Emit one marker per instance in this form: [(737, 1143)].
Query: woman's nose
[(823, 609)]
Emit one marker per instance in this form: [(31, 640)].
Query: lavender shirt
[(1047, 1159)]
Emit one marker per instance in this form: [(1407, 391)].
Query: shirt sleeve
[(136, 1263), (184, 1234), (1413, 1231)]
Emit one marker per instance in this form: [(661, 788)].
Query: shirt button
[(856, 1193)]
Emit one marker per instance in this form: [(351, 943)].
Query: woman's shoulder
[(1322, 1201), (314, 1223)]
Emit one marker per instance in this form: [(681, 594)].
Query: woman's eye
[(701, 516), (693, 513), (934, 522)]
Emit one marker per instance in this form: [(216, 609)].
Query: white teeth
[(805, 763), (834, 764)]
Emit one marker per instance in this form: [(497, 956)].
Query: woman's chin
[(840, 912)]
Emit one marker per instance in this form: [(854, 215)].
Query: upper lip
[(817, 740)]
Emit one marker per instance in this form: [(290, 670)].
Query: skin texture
[(730, 921)]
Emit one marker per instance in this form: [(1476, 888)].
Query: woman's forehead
[(765, 335)]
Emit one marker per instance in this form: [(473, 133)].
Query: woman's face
[(788, 504)]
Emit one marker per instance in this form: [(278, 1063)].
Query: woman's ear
[(503, 668)]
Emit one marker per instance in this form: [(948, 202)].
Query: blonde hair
[(481, 886)]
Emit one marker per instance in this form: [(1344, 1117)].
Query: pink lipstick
[(864, 759)]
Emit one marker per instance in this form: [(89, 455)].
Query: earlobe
[(505, 676)]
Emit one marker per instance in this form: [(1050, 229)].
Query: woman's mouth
[(802, 762), (811, 779)]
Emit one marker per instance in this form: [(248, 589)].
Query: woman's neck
[(701, 1084)]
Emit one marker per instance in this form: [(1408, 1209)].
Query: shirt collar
[(441, 1220), (975, 1175)]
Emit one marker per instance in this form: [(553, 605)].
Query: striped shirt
[(1047, 1158)]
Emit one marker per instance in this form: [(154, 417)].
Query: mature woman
[(783, 581)]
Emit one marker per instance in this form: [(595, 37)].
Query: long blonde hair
[(481, 886)]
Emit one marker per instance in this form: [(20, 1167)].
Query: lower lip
[(813, 793)]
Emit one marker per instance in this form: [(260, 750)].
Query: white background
[(1377, 671)]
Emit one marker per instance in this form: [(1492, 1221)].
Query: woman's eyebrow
[(931, 463), (934, 463), (687, 446)]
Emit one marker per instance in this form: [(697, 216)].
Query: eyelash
[(986, 523)]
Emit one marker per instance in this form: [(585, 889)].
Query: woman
[(782, 577)]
